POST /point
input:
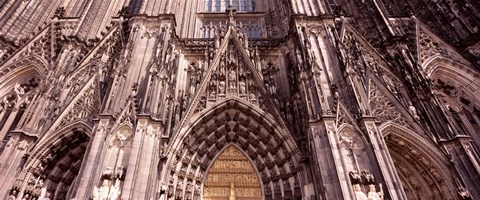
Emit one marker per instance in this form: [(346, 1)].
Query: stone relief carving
[(384, 109)]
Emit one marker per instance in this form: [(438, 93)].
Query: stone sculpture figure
[(372, 193), (242, 87), (103, 191), (13, 195), (115, 191), (231, 78), (359, 194)]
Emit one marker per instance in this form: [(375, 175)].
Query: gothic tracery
[(239, 99)]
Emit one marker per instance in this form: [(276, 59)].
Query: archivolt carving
[(421, 172), (55, 163), (273, 154)]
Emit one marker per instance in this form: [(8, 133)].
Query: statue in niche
[(19, 89), (232, 191), (222, 65), (163, 150), (44, 195), (217, 37), (242, 87), (23, 145), (213, 93), (232, 76), (231, 57), (95, 193), (26, 197), (221, 86)]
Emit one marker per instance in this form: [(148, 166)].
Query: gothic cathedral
[(239, 99)]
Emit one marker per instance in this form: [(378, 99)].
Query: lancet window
[(222, 5)]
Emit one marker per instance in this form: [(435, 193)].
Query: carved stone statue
[(26, 197), (413, 111), (19, 89), (231, 78), (103, 191), (359, 195), (372, 193), (162, 197), (115, 191), (464, 193), (95, 193), (221, 86), (242, 87), (23, 145), (13, 195)]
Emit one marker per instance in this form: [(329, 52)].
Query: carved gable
[(383, 108), (85, 108), (233, 75), (430, 46)]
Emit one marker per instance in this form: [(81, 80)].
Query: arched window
[(222, 5)]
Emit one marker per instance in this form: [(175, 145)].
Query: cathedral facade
[(239, 99)]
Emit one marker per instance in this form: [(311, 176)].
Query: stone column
[(465, 160), (8, 123), (142, 160), (11, 161), (327, 156), (384, 162), (87, 177)]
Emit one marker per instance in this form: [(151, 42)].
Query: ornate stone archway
[(272, 151), (54, 164), (420, 167)]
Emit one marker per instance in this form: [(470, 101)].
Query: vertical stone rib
[(7, 12), (128, 185)]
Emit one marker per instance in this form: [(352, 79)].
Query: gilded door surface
[(232, 177)]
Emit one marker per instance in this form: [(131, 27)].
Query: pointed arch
[(22, 72), (44, 144), (232, 40), (354, 147), (35, 62), (124, 131), (88, 91), (56, 160), (272, 149), (17, 84), (420, 164), (462, 76), (458, 88), (245, 176)]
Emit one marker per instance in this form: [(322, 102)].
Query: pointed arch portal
[(232, 176)]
